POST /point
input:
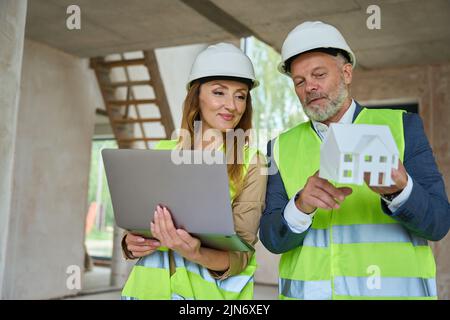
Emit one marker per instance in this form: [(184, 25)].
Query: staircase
[(134, 107)]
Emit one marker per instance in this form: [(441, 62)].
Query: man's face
[(321, 83)]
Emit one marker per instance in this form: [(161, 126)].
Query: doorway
[(99, 223)]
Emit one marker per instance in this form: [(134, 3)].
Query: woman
[(174, 265)]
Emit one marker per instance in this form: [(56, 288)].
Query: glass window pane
[(100, 221)]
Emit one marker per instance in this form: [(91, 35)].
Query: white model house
[(350, 150)]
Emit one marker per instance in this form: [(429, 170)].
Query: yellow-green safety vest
[(356, 251), (150, 277)]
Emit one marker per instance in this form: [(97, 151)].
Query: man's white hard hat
[(312, 35), (222, 60)]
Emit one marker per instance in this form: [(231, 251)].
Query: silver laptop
[(196, 194)]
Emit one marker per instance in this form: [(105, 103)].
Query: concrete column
[(12, 28), (120, 268), (55, 123)]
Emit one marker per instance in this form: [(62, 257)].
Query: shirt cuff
[(399, 200), (297, 220), (126, 254), (238, 262)]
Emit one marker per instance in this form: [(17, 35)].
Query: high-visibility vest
[(356, 251), (150, 277)]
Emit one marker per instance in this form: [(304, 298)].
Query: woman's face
[(222, 104)]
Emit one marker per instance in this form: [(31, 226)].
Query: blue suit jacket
[(426, 213)]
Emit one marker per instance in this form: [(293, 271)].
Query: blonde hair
[(191, 113)]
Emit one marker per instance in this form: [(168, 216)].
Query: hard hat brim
[(254, 82)]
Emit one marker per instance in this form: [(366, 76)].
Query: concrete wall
[(12, 27), (52, 161), (430, 86), (175, 65)]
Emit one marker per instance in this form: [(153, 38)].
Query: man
[(339, 242)]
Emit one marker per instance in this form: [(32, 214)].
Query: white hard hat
[(312, 35), (222, 60)]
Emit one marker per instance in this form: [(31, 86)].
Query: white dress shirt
[(299, 221)]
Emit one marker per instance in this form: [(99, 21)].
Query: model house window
[(348, 158), (393, 160), (368, 158), (347, 173), (380, 177), (383, 159)]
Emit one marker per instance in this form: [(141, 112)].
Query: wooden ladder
[(123, 122)]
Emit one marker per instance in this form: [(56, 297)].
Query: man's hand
[(399, 177), (175, 239), (319, 193)]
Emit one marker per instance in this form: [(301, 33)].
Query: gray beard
[(316, 113)]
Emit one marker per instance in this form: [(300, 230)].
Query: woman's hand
[(139, 246), (175, 239)]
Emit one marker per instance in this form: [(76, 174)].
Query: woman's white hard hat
[(312, 35), (222, 60)]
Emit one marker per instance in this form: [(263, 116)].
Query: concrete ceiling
[(412, 31)]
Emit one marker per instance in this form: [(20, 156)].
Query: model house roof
[(353, 138)]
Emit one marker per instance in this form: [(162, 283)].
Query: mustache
[(315, 95)]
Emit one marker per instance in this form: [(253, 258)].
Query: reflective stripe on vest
[(192, 281), (359, 288), (388, 287), (231, 284), (305, 290), (347, 248), (141, 284), (150, 278), (361, 233)]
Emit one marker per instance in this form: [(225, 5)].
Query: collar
[(347, 118)]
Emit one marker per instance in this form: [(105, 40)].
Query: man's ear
[(347, 70)]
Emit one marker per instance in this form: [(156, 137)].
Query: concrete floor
[(96, 287)]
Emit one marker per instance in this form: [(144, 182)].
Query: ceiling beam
[(222, 19)]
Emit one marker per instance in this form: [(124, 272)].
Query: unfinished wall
[(430, 86), (175, 65), (54, 131), (12, 27)]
